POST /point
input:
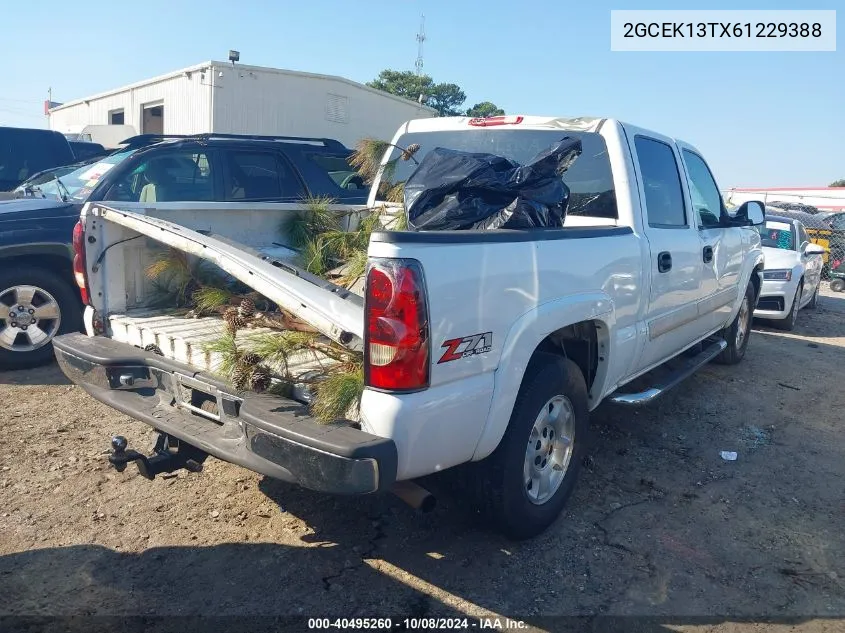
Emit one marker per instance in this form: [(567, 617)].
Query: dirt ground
[(660, 525)]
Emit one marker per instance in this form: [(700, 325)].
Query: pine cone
[(234, 321), (409, 151), (260, 378), (250, 359), (241, 377), (247, 308)]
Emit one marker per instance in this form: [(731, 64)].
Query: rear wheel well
[(55, 264), (582, 343)]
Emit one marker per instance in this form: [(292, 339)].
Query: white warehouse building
[(231, 98)]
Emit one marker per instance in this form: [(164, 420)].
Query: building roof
[(216, 64)]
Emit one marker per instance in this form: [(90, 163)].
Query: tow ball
[(169, 454)]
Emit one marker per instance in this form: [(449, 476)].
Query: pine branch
[(277, 348), (280, 321), (317, 218), (367, 157), (313, 257), (170, 262), (338, 395), (354, 269), (227, 347), (396, 193), (208, 299)]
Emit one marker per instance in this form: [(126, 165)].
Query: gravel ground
[(659, 524)]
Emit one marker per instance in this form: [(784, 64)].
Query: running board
[(673, 378)]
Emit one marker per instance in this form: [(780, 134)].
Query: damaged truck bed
[(172, 388), (333, 310)]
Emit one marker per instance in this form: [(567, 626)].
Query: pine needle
[(337, 394), (207, 298), (400, 221), (340, 245), (396, 193), (227, 347), (277, 347), (313, 257), (367, 157), (354, 269), (170, 262), (316, 219)]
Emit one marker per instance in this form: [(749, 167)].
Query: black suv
[(26, 151), (37, 289)]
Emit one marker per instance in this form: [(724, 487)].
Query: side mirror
[(814, 249), (750, 213)]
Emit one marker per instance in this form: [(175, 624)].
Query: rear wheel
[(789, 322), (526, 482), (736, 335), (837, 285), (35, 306)]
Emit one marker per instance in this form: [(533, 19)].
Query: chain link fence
[(824, 228)]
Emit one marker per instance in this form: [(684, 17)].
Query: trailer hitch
[(169, 454)]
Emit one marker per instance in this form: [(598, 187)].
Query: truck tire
[(739, 331), (526, 481), (45, 304)]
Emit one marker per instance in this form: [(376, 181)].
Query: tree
[(838, 183), (485, 109), (445, 98), (403, 84)]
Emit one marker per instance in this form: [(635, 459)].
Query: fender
[(64, 251), (752, 259), (522, 339)]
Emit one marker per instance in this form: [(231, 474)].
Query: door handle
[(664, 262), (708, 254)]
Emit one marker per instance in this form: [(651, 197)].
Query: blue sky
[(761, 119)]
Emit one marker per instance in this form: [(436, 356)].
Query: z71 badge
[(467, 346)]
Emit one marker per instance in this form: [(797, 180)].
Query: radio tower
[(420, 41)]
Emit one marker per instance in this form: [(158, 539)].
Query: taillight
[(396, 349), (79, 271), (495, 120)]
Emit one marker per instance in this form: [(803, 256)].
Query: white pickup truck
[(481, 347)]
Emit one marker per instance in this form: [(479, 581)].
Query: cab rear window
[(589, 178)]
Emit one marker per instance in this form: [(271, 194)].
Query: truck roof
[(587, 124)]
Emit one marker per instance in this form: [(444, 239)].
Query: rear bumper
[(267, 434)]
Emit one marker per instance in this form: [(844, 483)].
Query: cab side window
[(664, 198), (167, 177), (706, 199), (257, 175)]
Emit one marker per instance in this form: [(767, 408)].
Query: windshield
[(589, 178), (81, 182), (47, 178), (777, 235)]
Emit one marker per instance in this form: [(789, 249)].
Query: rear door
[(672, 318), (721, 246), (259, 174)]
